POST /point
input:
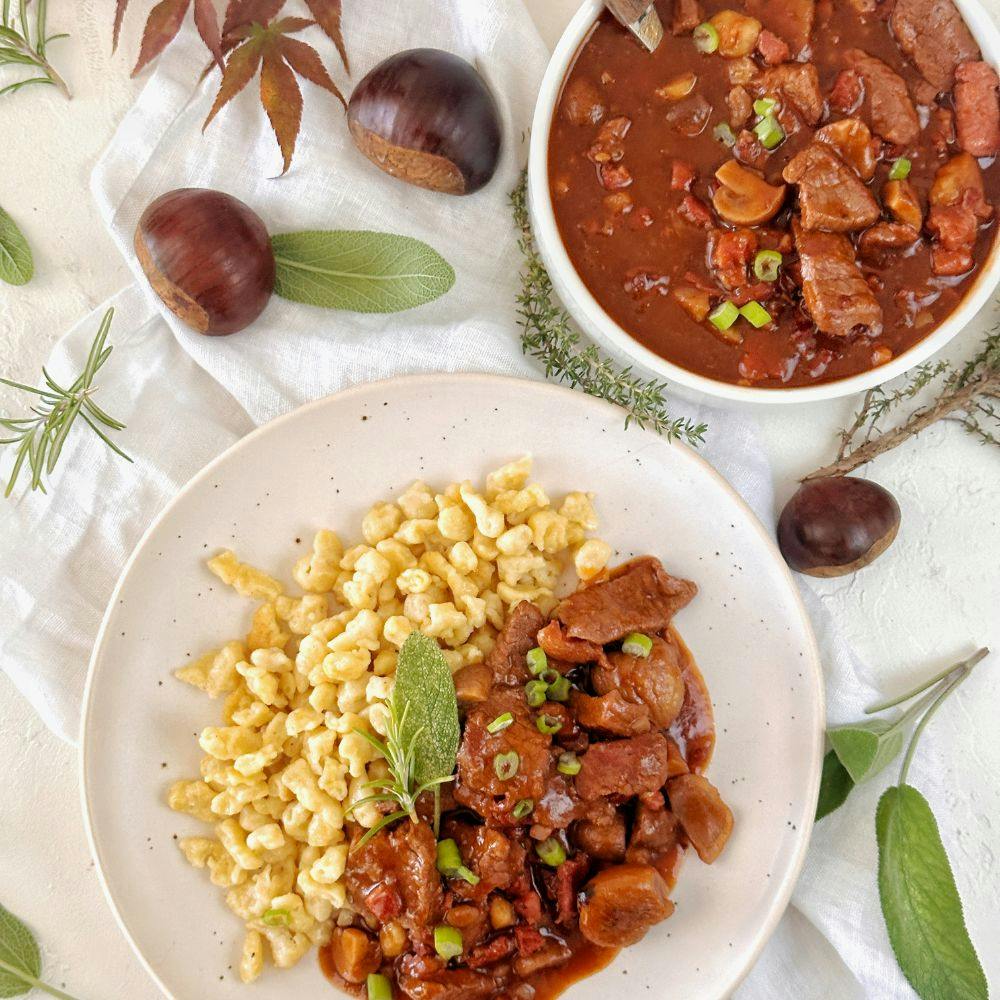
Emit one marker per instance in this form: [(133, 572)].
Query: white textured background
[(935, 592)]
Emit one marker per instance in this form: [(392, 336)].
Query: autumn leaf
[(163, 23), (327, 14), (119, 17), (305, 60), (239, 71), (243, 13), (282, 100), (207, 22)]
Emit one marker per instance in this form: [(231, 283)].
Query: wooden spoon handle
[(640, 17)]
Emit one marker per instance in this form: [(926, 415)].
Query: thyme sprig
[(548, 335), (40, 437), (24, 39), (968, 395)]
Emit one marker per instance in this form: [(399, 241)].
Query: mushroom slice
[(745, 198)]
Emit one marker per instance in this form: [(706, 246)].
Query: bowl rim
[(592, 316)]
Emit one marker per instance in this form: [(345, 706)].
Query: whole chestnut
[(208, 256), (834, 526), (427, 117)]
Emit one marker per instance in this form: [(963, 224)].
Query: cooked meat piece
[(478, 785), (695, 211), (611, 714), (749, 150), (836, 294), (553, 952), (427, 977), (851, 140), (561, 647), (473, 684), (655, 833), (707, 820), (934, 37), (976, 108), (682, 176), (791, 20), (519, 635), (395, 876), (694, 728), (495, 951), (621, 903), (686, 17), (848, 92), (623, 767), (941, 129), (892, 112), (355, 954), (609, 146), (498, 859), (559, 806), (641, 596), (797, 84), (582, 103), (563, 884), (900, 197), (773, 50), (690, 116), (958, 206), (602, 833), (655, 681), (878, 245), (831, 196), (740, 105)]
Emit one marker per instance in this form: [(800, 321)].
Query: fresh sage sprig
[(24, 39), (20, 960), (40, 438), (16, 263), (920, 901)]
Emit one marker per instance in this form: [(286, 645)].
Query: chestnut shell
[(427, 117), (208, 256), (835, 526)]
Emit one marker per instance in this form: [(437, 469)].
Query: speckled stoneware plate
[(323, 466)]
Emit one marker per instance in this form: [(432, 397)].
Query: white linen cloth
[(185, 398)]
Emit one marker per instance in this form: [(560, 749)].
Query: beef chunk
[(836, 294), (892, 112), (551, 953), (852, 141), (707, 820), (934, 37), (749, 150), (427, 977), (976, 108), (507, 658), (611, 714), (582, 103), (602, 833), (740, 106), (495, 951), (559, 806), (655, 838), (958, 205), (623, 767), (563, 884), (641, 596), (790, 20), (881, 244), (562, 648), (798, 86), (831, 196), (395, 876), (478, 785), (848, 92), (621, 903), (686, 17), (903, 203), (655, 681), (499, 860), (773, 50)]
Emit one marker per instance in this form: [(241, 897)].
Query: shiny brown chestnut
[(208, 257), (427, 117), (835, 526)]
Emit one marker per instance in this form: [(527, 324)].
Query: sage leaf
[(920, 903), (865, 748), (834, 787), (16, 263), (425, 691), (358, 271), (20, 961)]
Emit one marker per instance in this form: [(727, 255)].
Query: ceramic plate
[(323, 466)]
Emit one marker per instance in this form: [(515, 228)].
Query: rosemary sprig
[(549, 336), (399, 787), (40, 437), (968, 396), (24, 39)]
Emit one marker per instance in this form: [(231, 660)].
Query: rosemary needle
[(24, 38), (39, 438)]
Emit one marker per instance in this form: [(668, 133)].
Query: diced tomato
[(732, 251)]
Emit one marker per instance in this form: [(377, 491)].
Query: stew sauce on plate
[(783, 193)]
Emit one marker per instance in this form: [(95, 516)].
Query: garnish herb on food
[(55, 409), (24, 40), (548, 335), (421, 742), (920, 902), (16, 263), (20, 960)]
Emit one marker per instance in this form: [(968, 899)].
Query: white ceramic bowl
[(324, 465), (593, 319)]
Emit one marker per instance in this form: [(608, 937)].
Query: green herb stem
[(947, 672), (19, 46), (34, 983)]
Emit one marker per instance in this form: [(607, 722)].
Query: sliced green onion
[(724, 134), (722, 317), (769, 131), (506, 765), (536, 692), (706, 38), (449, 858), (900, 169), (551, 852), (569, 764), (468, 874), (537, 660), (448, 941), (523, 808), (637, 644), (766, 265), (548, 724), (379, 987), (764, 106), (755, 314), (276, 918), (559, 690), (549, 675), (500, 723)]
